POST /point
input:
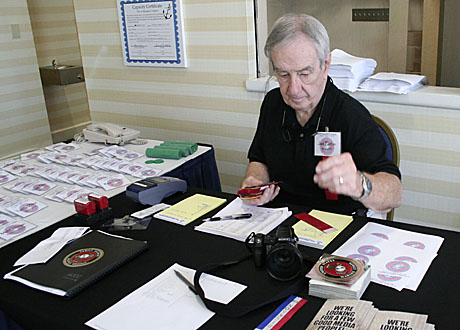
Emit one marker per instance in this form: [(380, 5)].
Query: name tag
[(328, 144)]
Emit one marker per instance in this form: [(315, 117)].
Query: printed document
[(167, 303), (263, 220), (313, 237), (398, 258)]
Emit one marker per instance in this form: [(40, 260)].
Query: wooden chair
[(392, 147)]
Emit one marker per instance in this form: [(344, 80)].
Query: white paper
[(27, 207), (39, 187), (47, 248), (11, 228), (398, 258), (150, 210), (348, 71), (31, 155), (392, 82), (166, 303), (9, 201), (6, 177), (263, 220), (114, 181)]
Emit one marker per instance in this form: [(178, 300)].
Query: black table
[(436, 296)]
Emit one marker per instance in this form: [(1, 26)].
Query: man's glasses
[(289, 136), (285, 132)]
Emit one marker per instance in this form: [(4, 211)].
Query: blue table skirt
[(200, 172)]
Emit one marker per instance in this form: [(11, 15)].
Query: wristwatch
[(367, 187)]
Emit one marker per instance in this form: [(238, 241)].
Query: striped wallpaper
[(205, 102), (24, 122), (55, 34), (429, 139)]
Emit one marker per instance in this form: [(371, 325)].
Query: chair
[(392, 151)]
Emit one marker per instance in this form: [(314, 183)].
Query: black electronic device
[(278, 252), (152, 190)]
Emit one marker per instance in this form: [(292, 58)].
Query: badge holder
[(339, 270), (328, 144)]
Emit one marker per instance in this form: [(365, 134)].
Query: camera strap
[(238, 311)]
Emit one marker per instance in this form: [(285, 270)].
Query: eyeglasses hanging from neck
[(288, 135)]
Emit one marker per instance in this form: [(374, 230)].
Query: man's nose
[(294, 85)]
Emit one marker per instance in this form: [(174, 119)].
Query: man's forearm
[(386, 192)]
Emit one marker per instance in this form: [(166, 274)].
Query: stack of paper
[(349, 71), (166, 302), (344, 314), (190, 209), (263, 220), (361, 314), (400, 320), (398, 258), (313, 237), (328, 290), (393, 82)]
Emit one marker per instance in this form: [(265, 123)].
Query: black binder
[(79, 264)]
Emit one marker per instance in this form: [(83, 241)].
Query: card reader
[(151, 191)]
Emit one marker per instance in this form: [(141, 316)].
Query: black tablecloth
[(437, 295)]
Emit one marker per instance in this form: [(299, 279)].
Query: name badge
[(328, 144)]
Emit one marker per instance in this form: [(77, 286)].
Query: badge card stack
[(338, 277)]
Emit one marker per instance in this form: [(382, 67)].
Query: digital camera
[(278, 252)]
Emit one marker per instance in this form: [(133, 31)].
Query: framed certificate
[(152, 33)]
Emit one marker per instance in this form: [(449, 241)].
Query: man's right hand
[(269, 194)]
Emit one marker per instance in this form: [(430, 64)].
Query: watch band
[(367, 187)]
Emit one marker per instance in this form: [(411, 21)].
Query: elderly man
[(307, 107)]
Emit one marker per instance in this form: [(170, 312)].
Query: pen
[(231, 217), (184, 279)]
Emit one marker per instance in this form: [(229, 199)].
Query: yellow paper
[(310, 236), (190, 209)]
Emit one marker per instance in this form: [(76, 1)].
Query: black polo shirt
[(287, 149)]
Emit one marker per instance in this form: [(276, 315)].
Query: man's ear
[(327, 62)]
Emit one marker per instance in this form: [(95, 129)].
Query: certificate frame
[(152, 33)]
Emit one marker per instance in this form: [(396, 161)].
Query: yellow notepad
[(310, 236), (190, 209)]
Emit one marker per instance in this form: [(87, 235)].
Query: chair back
[(390, 138), (392, 151)]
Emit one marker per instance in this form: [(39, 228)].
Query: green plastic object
[(183, 149), (190, 145), (163, 153), (154, 161)]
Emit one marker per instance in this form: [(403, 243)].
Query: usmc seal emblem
[(82, 257)]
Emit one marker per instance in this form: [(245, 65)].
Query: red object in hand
[(102, 202), (84, 206), (255, 191), (329, 195)]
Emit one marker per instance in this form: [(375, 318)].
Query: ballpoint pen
[(184, 279), (231, 217)]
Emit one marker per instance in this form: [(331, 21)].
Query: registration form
[(166, 302)]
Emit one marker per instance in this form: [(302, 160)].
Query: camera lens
[(284, 261)]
